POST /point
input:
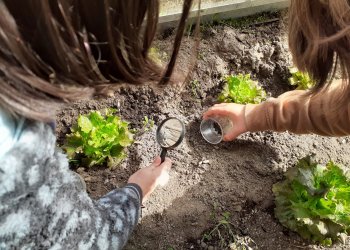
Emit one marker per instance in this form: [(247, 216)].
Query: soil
[(208, 180)]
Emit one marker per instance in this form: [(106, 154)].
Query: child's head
[(319, 37), (55, 51)]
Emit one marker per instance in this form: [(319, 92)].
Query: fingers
[(157, 161), (229, 137), (166, 165), (215, 111)]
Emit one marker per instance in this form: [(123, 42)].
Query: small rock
[(343, 141), (205, 167), (210, 248), (110, 93), (144, 97), (237, 208), (106, 181), (80, 170), (88, 179), (244, 231), (203, 244), (343, 237), (195, 177), (204, 162)]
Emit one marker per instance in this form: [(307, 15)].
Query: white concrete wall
[(220, 9)]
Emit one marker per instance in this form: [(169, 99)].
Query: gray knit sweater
[(43, 205)]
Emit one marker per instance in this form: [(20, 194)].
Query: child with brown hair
[(319, 39)]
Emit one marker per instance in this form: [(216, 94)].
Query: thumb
[(156, 162), (166, 165)]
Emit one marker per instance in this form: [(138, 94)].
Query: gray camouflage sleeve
[(43, 204)]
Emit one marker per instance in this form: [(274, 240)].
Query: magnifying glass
[(170, 134)]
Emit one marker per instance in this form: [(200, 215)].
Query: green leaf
[(314, 200), (300, 79), (85, 124), (100, 139), (241, 89)]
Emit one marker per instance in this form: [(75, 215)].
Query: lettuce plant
[(314, 201), (302, 80), (98, 139), (241, 89)]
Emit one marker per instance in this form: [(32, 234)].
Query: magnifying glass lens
[(170, 133)]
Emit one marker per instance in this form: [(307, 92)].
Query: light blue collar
[(10, 131)]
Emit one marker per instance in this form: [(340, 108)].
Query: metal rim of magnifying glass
[(182, 136)]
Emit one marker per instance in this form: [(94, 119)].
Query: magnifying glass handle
[(163, 154)]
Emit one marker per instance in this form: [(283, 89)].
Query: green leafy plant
[(241, 89), (314, 201), (97, 139), (147, 124), (301, 80)]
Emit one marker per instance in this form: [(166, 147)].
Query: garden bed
[(208, 180)]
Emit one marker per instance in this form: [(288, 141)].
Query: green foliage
[(157, 56), (194, 88), (97, 139), (314, 201), (244, 22), (147, 124), (241, 89), (222, 231), (222, 235), (301, 80)]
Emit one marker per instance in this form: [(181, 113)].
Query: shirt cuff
[(137, 189)]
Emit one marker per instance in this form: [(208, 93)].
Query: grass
[(223, 236), (242, 22)]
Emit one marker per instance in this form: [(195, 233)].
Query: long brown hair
[(319, 39), (60, 50)]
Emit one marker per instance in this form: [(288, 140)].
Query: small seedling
[(147, 124), (194, 88), (300, 79), (98, 139), (222, 235), (201, 55), (241, 89), (314, 201)]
